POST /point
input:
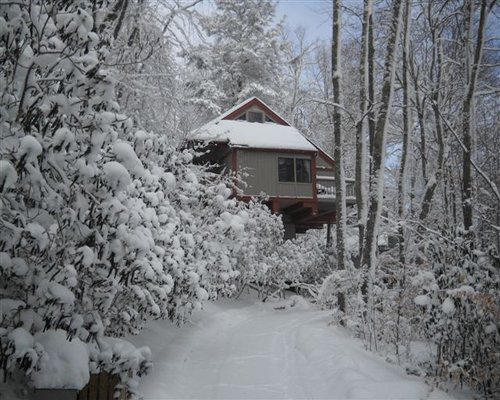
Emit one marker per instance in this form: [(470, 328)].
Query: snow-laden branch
[(416, 231), (176, 11)]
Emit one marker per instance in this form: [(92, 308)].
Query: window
[(294, 170), (286, 170), (303, 170), (255, 116)]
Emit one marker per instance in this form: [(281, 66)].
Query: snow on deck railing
[(325, 186), (331, 178)]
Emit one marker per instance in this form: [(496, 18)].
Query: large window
[(294, 170)]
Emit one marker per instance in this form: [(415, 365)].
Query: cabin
[(274, 159)]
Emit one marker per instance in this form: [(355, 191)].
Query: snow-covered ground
[(250, 350)]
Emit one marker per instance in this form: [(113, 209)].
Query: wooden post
[(275, 206), (101, 386)]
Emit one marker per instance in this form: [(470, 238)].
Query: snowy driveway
[(246, 350)]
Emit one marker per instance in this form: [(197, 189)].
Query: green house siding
[(262, 170)]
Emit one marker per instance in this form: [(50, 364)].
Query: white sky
[(314, 15)]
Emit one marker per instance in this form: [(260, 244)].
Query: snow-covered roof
[(241, 133), (268, 135)]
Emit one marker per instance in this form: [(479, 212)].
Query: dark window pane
[(255, 116), (242, 117), (285, 170), (303, 170)]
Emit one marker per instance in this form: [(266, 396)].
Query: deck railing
[(325, 186)]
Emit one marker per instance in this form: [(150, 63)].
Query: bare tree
[(468, 103), (435, 76), (368, 259), (340, 196), (407, 126), (403, 168), (364, 72)]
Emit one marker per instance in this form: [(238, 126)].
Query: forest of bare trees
[(427, 119)]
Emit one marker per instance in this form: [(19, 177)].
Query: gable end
[(258, 104)]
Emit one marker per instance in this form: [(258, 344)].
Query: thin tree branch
[(490, 183)]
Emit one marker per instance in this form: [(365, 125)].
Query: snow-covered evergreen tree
[(241, 57)]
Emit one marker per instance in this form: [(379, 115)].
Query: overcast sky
[(314, 15)]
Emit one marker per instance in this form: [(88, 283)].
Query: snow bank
[(66, 364)]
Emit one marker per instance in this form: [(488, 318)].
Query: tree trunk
[(468, 108), (420, 109), (433, 181), (402, 184), (340, 197), (371, 86), (407, 129), (360, 181), (377, 174)]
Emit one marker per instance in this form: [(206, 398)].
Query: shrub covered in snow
[(459, 309), (102, 227), (298, 264), (62, 188), (445, 295)]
